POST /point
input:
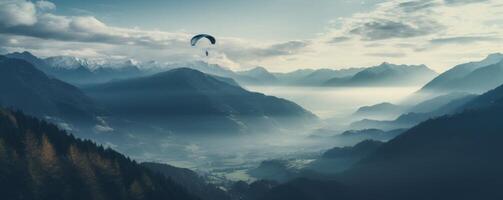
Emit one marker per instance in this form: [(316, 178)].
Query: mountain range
[(450, 157), (188, 100), (413, 114), (171, 100), (80, 71), (474, 77), (386, 74)]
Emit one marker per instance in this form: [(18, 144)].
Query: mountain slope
[(470, 77), (26, 88), (386, 74), (319, 76), (379, 110), (38, 161), (451, 157), (261, 75), (187, 100), (190, 180), (438, 106)]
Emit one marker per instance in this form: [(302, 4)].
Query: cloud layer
[(438, 33)]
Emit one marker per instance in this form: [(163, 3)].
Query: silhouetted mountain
[(359, 150), (190, 180), (292, 77), (436, 103), (28, 57), (320, 76), (387, 74), (438, 106), (339, 159), (261, 75), (450, 157), (38, 161), (244, 191), (256, 76), (470, 77), (207, 68), (324, 166), (26, 88), (355, 136), (276, 170), (187, 100), (488, 99), (379, 110)]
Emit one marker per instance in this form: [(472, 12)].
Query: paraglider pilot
[(196, 38)]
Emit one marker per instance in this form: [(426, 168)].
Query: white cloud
[(16, 13), (45, 5), (87, 36), (439, 33)]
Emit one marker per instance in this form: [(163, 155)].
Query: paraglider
[(198, 37)]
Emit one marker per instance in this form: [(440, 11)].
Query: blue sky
[(280, 35)]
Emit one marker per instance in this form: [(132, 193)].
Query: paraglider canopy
[(196, 38)]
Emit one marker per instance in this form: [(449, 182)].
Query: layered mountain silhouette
[(38, 161), (386, 74), (451, 157), (190, 180), (81, 71), (259, 75), (379, 110), (188, 100), (26, 88), (355, 136), (315, 77), (435, 107), (339, 159), (477, 77)]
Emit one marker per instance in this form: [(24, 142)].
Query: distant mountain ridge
[(81, 71), (386, 74), (476, 77)]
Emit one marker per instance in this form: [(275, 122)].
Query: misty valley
[(231, 135), (251, 100)]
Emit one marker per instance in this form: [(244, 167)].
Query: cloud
[(461, 2), (379, 29), (45, 5), (387, 55), (281, 49), (395, 19), (246, 52), (17, 13), (464, 40), (39, 30), (426, 31), (102, 126), (339, 39)]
